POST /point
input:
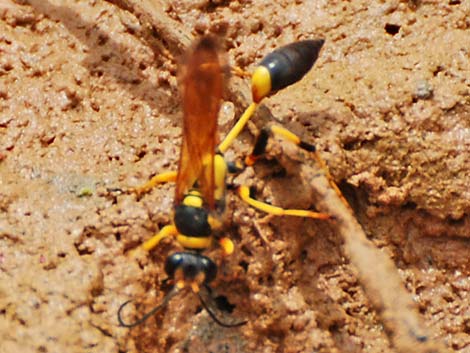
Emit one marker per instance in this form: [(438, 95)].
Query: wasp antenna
[(215, 318), (147, 315)]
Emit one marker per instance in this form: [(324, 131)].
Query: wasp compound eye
[(191, 264)]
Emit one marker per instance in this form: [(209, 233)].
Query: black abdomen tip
[(290, 63)]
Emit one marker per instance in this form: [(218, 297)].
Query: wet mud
[(89, 103)]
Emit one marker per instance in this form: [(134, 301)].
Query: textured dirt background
[(88, 101)]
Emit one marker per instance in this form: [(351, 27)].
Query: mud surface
[(89, 101)]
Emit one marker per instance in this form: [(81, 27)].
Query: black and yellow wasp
[(201, 177)]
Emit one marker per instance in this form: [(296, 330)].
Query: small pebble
[(423, 90)]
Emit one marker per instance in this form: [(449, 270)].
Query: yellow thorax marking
[(193, 199), (194, 242)]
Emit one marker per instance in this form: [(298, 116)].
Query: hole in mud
[(303, 255), (438, 69), (279, 173), (244, 265), (82, 250), (456, 222), (141, 154), (246, 251), (410, 205), (391, 28), (7, 66), (97, 73), (348, 191), (213, 5), (334, 327), (352, 145), (385, 174), (270, 281), (454, 2), (253, 192), (223, 304), (102, 39), (117, 236), (306, 124)]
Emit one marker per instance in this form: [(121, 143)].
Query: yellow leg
[(244, 193), (280, 131), (333, 185), (167, 231), (262, 141), (227, 245), (232, 135), (157, 179)]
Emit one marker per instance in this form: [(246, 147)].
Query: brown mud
[(89, 101)]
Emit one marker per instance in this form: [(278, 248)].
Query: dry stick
[(377, 273)]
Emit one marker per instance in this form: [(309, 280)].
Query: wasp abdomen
[(192, 221), (284, 66)]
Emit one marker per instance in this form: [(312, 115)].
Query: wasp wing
[(201, 86)]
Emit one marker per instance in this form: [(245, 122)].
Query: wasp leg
[(244, 193), (262, 140), (157, 179), (232, 135), (277, 130), (279, 69), (167, 231), (260, 148), (235, 167), (333, 185), (262, 82), (227, 245)]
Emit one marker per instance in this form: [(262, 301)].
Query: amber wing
[(201, 86)]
